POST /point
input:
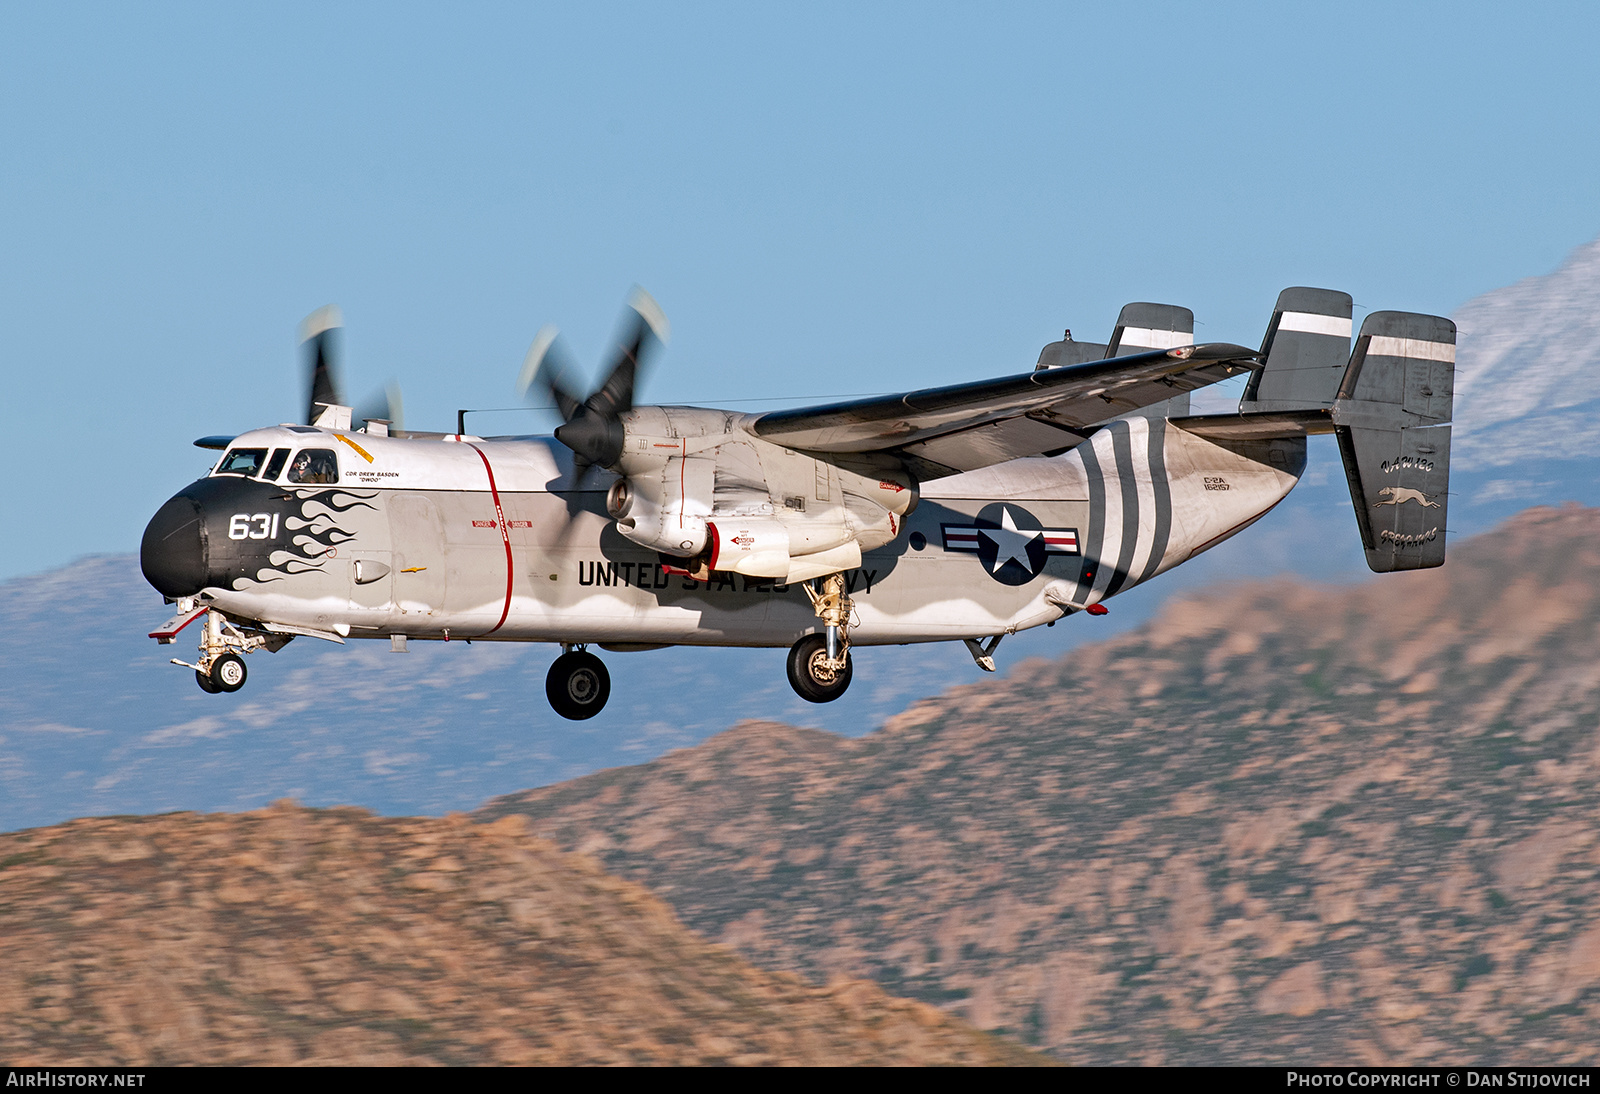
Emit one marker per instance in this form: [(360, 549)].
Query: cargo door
[(418, 574)]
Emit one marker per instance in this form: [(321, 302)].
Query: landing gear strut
[(819, 664), (578, 684), (220, 668)]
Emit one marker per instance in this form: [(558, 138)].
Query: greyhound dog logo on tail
[(1399, 495)]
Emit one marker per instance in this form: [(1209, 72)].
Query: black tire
[(228, 673), (806, 676), (578, 685), (205, 683)]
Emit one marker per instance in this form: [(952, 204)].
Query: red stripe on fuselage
[(505, 537)]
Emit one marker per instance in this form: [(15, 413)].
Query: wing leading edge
[(945, 430)]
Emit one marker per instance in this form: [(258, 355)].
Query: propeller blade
[(319, 336), (645, 329), (547, 371), (383, 405), (645, 306), (592, 427)]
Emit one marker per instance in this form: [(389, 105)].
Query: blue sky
[(825, 201)]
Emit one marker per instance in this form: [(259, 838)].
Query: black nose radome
[(173, 553)]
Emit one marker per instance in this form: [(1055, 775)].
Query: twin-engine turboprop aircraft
[(957, 513)]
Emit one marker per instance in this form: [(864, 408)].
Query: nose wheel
[(227, 674), (578, 684)]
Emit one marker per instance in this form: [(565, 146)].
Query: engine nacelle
[(696, 486), (666, 509), (755, 548)]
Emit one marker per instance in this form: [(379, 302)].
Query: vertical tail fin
[(1388, 401), (1392, 410), (1142, 327), (1139, 327), (1068, 351), (1305, 351)]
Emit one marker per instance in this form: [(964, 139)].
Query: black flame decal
[(313, 530)]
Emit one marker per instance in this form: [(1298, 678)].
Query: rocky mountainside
[(334, 937), (1280, 823)]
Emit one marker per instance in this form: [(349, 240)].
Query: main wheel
[(205, 683), (578, 685), (809, 674), (228, 672)]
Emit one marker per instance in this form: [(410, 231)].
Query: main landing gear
[(819, 664), (815, 676), (578, 684)]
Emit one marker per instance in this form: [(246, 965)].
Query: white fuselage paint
[(428, 515)]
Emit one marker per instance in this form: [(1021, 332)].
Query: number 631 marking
[(266, 526)]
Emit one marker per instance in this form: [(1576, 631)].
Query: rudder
[(1392, 414)]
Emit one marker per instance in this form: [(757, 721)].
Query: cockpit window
[(314, 466), (280, 456), (242, 461)]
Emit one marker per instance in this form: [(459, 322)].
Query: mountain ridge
[(299, 936), (1277, 824)]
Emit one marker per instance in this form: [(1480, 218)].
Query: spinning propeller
[(319, 336), (592, 427)]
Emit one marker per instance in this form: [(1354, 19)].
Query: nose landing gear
[(578, 684), (220, 668)]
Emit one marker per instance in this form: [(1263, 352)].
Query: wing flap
[(1127, 398), (991, 443)]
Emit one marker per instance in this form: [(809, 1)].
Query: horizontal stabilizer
[(1264, 426)]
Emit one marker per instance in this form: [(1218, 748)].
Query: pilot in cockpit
[(314, 466)]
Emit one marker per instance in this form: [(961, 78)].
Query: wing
[(944, 430)]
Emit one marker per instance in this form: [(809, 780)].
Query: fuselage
[(503, 539)]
